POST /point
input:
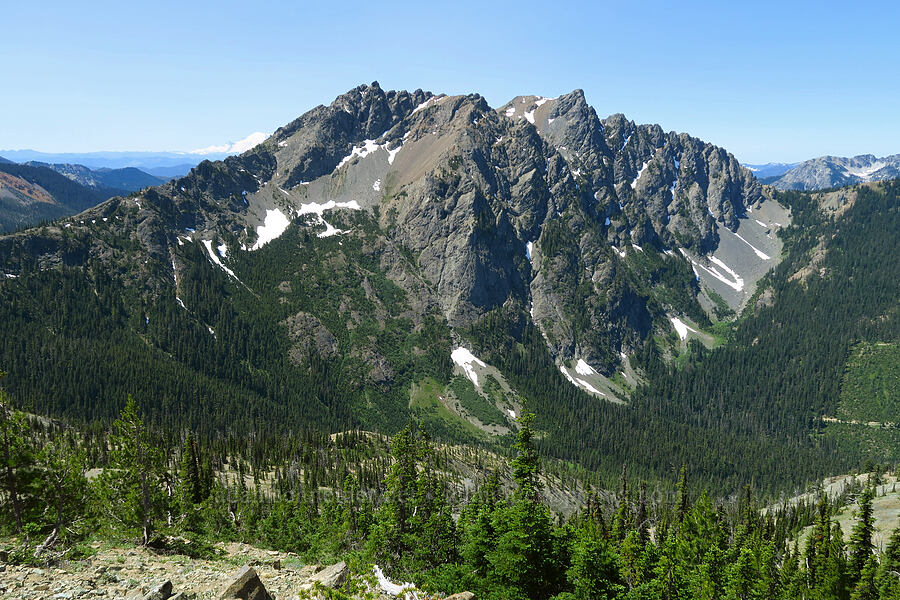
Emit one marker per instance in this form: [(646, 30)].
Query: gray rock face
[(538, 207), (245, 585), (836, 171), (309, 334)]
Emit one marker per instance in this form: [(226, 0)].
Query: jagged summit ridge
[(481, 209), (838, 171)]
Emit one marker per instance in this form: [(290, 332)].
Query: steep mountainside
[(29, 195), (341, 271), (836, 171)]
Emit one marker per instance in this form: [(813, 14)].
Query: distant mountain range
[(835, 171), (31, 194), (160, 164), (772, 169)]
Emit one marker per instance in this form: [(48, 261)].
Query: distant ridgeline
[(324, 279)]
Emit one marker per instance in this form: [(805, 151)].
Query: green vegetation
[(426, 406), (870, 389), (355, 498), (476, 404)]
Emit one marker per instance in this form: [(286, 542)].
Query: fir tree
[(133, 484), (861, 546)]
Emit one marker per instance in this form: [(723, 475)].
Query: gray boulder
[(332, 577), (246, 585)]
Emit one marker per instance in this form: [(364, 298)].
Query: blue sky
[(769, 81)]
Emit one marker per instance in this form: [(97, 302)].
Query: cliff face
[(592, 228)]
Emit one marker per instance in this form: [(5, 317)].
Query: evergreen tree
[(63, 487), (861, 546), (594, 570), (133, 484), (17, 457)]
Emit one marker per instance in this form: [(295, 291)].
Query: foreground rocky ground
[(241, 571)]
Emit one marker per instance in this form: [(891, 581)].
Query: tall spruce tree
[(860, 543), (133, 485)]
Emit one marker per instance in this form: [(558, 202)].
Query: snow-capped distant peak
[(234, 148)]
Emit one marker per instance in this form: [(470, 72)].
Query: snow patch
[(756, 250), (392, 154), (641, 172), (313, 208), (330, 229), (529, 116), (223, 250), (735, 281), (758, 222), (588, 386), (528, 248), (377, 185), (368, 147), (395, 589), (582, 368), (511, 413), (681, 327), (510, 111), (215, 259), (274, 225), (464, 358)]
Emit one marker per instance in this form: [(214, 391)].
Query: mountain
[(835, 171), (396, 254), (161, 164), (31, 194), (5, 161), (771, 169), (128, 179)]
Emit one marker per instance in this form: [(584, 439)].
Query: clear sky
[(769, 81)]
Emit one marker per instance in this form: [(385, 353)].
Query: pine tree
[(865, 587), (526, 466), (133, 484), (861, 546), (594, 570), (64, 488), (17, 456)]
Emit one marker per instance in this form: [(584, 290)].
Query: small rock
[(276, 564), (160, 591), (135, 593), (461, 596), (245, 584), (333, 577)]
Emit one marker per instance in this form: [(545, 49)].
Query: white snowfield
[(529, 247), (368, 147), (215, 258), (756, 250), (464, 358), (318, 209), (641, 172), (732, 279), (274, 225), (579, 382), (681, 327), (582, 368)]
